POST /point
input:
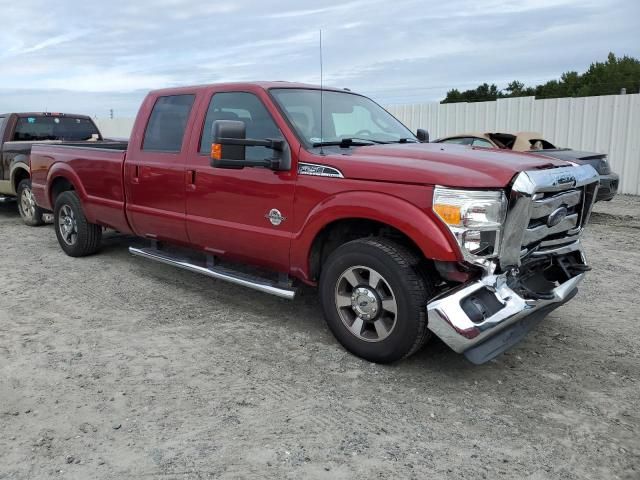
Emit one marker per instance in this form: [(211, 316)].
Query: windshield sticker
[(56, 120), (31, 120)]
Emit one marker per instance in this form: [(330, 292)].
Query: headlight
[(474, 217)]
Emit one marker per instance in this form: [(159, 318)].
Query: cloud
[(320, 11), (110, 53)]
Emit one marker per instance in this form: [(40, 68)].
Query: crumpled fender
[(421, 227)]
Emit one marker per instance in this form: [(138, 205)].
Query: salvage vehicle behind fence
[(403, 238), (534, 142)]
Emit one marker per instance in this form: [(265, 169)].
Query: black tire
[(30, 212), (86, 240), (400, 271)]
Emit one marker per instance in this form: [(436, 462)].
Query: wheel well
[(19, 175), (59, 186), (342, 231)]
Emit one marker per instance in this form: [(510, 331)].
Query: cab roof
[(265, 85), (45, 114)]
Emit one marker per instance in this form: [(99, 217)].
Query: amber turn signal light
[(449, 213), (216, 151)]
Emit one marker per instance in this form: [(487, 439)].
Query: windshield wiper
[(405, 140), (349, 142)]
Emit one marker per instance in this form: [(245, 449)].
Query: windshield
[(38, 128), (345, 116)]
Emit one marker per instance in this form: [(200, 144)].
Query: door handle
[(190, 179), (136, 174)]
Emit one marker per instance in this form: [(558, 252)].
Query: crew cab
[(272, 184), (18, 133)]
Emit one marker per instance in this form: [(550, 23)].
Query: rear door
[(154, 169), (228, 209)]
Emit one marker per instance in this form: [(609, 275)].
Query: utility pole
[(111, 113)]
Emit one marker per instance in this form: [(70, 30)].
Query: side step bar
[(5, 199), (219, 273)]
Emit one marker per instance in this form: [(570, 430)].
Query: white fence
[(609, 124), (115, 127)]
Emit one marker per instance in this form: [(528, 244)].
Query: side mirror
[(223, 151), (422, 135), (228, 149)]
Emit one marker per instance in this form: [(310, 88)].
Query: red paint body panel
[(181, 198), (437, 164), (96, 175)]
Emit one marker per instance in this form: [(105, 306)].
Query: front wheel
[(374, 299), (76, 236), (30, 212)]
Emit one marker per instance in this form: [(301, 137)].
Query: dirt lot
[(116, 367)]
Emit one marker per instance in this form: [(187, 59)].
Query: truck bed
[(95, 170), (105, 144)]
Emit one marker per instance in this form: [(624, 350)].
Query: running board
[(5, 199), (219, 273)]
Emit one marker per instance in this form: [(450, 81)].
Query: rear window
[(37, 128), (167, 123)]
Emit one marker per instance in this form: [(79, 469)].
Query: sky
[(91, 57)]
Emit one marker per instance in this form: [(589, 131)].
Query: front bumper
[(608, 187), (510, 315)]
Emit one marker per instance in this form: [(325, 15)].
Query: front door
[(243, 214)]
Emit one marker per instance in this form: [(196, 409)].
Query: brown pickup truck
[(18, 132)]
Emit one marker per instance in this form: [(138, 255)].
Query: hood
[(436, 164)]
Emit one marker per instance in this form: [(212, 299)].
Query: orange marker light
[(216, 151), (449, 213)]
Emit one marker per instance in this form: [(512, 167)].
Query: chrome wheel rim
[(366, 303), (67, 225), (27, 203)]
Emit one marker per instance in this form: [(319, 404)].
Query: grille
[(547, 209), (540, 228)]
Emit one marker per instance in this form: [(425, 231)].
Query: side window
[(244, 107), (479, 142), (167, 123), (1, 126), (458, 140)]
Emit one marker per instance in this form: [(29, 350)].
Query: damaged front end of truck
[(525, 242)]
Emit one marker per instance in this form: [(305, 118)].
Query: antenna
[(321, 113)]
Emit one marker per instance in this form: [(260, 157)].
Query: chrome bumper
[(449, 321)]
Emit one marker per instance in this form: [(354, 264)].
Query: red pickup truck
[(403, 238)]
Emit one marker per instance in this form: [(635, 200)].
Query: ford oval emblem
[(557, 216), (565, 179)]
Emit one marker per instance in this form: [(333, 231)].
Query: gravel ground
[(116, 367)]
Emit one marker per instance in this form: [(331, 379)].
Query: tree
[(483, 93), (601, 78)]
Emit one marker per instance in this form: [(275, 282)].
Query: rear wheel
[(76, 236), (374, 299), (30, 212)]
